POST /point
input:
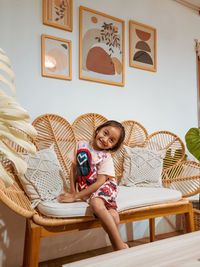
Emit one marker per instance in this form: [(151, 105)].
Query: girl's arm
[(72, 197)]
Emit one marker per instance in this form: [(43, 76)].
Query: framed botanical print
[(101, 47), (56, 57), (142, 46), (58, 13)]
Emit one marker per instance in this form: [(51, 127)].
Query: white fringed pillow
[(42, 180), (142, 167)]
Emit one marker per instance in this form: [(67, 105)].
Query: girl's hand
[(67, 197)]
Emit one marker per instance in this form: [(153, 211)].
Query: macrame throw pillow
[(42, 180), (142, 167)]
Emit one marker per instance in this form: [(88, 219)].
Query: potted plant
[(192, 139)]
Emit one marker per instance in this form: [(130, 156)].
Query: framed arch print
[(142, 46), (56, 57), (58, 14), (101, 47)]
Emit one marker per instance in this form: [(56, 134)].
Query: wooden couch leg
[(32, 244), (129, 231), (152, 229), (189, 220)]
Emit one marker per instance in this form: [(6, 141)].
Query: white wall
[(165, 100)]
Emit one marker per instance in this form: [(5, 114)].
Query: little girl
[(93, 173)]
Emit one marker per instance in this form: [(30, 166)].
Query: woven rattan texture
[(14, 196), (184, 176), (196, 219), (135, 135), (53, 129), (169, 142), (85, 125)]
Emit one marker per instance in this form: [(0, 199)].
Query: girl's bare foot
[(125, 246)]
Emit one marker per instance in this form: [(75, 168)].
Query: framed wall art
[(101, 47), (58, 13), (142, 46), (56, 57)]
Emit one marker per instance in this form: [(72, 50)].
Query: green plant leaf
[(192, 139)]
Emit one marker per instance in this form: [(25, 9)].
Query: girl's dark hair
[(113, 124)]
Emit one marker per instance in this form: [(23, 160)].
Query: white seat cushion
[(128, 198), (134, 197)]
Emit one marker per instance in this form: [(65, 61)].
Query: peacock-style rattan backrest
[(53, 129), (85, 125), (177, 173), (171, 143), (135, 135), (184, 177)]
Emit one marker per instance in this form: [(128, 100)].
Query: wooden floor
[(80, 256)]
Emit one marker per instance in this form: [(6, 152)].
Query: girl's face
[(106, 138)]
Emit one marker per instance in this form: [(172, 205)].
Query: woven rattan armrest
[(184, 177), (16, 199), (14, 196)]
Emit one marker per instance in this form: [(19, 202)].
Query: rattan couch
[(55, 129)]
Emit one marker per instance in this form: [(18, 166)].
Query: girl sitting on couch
[(93, 176)]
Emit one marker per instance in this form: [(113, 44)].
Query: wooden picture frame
[(142, 46), (58, 14), (101, 47), (56, 57)]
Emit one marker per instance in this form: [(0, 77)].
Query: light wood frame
[(101, 60), (66, 16), (62, 53), (35, 231), (142, 46)]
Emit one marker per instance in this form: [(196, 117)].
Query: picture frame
[(101, 47), (58, 14), (142, 46), (56, 57)]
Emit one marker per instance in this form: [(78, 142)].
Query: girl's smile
[(106, 138)]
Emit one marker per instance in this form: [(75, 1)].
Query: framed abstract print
[(58, 13), (56, 57), (101, 47), (142, 46)]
